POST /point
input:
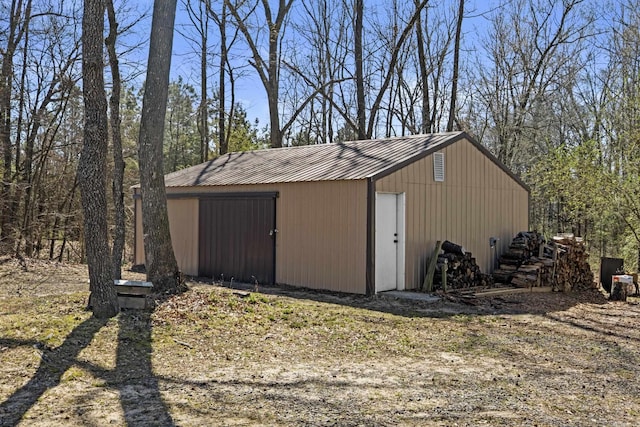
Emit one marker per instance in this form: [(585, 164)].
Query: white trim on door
[(390, 241)]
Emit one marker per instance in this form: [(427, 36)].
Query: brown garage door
[(236, 237)]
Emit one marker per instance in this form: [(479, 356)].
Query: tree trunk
[(203, 110), (116, 137), (425, 115), (18, 25), (275, 137), (360, 99), (274, 81), (223, 144), (161, 264), (456, 66), (92, 166)]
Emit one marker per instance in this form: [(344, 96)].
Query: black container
[(608, 268)]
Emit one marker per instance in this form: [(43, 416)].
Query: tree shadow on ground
[(132, 378), (53, 364)]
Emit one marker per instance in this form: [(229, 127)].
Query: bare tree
[(116, 138), (424, 76), (361, 106), (199, 16), (52, 60), (534, 48), (221, 20), (19, 19), (269, 69), (323, 29), (160, 261), (456, 66), (225, 71), (387, 72), (93, 164)]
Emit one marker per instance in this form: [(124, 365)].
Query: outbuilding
[(357, 217)]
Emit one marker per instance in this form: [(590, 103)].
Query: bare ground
[(219, 356)]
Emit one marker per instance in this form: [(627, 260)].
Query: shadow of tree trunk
[(53, 364), (138, 386)]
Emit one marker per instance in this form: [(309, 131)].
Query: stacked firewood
[(523, 247), (531, 262), (461, 269), (572, 268)]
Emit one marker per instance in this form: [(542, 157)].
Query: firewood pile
[(461, 269), (520, 266), (572, 269), (531, 262)]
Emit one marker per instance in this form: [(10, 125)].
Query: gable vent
[(438, 167)]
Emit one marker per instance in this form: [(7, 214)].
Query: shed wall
[(183, 225), (321, 239), (476, 201)]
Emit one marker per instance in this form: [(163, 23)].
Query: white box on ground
[(626, 281)]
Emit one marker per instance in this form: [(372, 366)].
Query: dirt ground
[(221, 356)]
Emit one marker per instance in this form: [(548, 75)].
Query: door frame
[(401, 244)]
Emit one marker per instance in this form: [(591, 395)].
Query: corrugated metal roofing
[(326, 162)]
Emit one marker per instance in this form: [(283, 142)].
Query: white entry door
[(389, 258)]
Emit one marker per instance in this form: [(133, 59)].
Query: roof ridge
[(355, 141)]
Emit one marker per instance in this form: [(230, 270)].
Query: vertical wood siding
[(138, 242), (183, 225), (476, 201), (321, 239)]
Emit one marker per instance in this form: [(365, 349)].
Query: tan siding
[(321, 240), (183, 222), (139, 243), (476, 201)]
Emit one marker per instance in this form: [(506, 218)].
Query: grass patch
[(251, 359)]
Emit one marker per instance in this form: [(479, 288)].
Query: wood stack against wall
[(561, 264), (461, 267)]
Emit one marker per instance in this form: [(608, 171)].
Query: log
[(561, 263), (572, 270), (450, 247), (462, 272)]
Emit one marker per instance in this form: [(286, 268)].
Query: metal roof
[(325, 162)]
